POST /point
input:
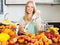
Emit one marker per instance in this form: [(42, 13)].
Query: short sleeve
[(20, 20)]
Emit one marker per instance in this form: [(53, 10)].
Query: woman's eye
[(29, 6)]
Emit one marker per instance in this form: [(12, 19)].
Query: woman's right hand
[(21, 31), (21, 27), (22, 23)]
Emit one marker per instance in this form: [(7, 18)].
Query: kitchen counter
[(56, 44), (52, 44)]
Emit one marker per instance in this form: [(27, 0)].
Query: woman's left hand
[(37, 14)]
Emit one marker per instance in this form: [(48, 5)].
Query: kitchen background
[(50, 10)]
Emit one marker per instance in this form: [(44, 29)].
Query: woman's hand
[(22, 23), (37, 14), (21, 31)]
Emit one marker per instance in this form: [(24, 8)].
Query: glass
[(1, 6), (44, 26)]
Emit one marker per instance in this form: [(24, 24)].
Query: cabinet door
[(24, 1), (44, 1), (1, 6), (57, 1), (16, 1)]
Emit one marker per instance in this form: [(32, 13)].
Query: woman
[(30, 23)]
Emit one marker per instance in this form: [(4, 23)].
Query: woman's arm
[(38, 25), (38, 21), (21, 27)]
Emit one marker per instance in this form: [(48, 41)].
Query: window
[(1, 6)]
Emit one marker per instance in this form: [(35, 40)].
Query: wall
[(48, 12)]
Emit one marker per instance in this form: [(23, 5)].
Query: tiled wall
[(48, 12)]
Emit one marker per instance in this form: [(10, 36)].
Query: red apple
[(59, 40), (12, 41), (56, 35)]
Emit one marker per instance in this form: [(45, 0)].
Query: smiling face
[(30, 9)]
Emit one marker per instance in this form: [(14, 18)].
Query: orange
[(4, 43), (21, 44), (41, 42), (3, 26), (13, 26), (38, 37), (36, 43), (30, 44), (32, 35), (21, 40), (50, 41), (55, 40), (6, 30), (7, 26), (44, 38), (28, 38), (0, 43), (10, 26), (46, 43)]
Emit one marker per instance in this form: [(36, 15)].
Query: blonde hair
[(34, 10)]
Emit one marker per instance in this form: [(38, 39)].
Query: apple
[(24, 37), (49, 37), (12, 41), (59, 39), (56, 35)]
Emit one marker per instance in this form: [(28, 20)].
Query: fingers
[(22, 24)]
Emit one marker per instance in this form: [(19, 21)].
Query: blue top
[(31, 26)]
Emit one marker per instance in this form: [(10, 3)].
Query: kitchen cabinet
[(24, 1), (44, 1), (16, 1), (1, 6), (56, 1)]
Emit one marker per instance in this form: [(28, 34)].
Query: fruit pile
[(7, 32), (31, 39), (52, 33), (44, 38), (53, 29), (8, 36)]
